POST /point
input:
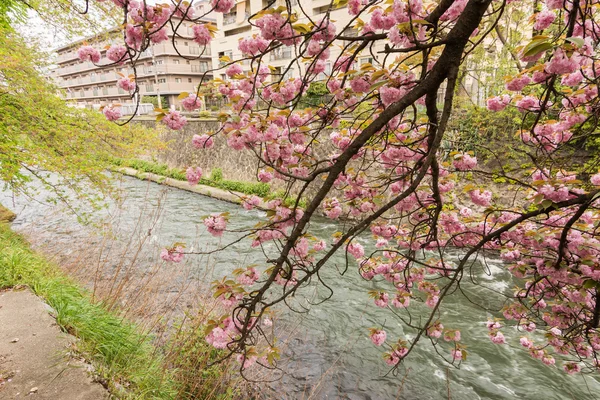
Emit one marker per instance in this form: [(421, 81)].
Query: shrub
[(216, 174)]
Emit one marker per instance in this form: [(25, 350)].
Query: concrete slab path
[(34, 354)]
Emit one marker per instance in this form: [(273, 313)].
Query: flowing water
[(330, 355)]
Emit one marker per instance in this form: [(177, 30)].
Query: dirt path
[(34, 354)]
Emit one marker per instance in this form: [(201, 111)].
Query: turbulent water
[(330, 355)]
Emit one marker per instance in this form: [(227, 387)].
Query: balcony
[(281, 53)]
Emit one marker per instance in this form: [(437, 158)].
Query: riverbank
[(124, 359), (135, 355), (215, 186), (210, 191)]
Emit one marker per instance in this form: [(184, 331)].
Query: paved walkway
[(34, 359)]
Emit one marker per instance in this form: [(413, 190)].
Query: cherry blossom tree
[(370, 156)]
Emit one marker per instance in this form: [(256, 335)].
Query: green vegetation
[(216, 174), (215, 180), (125, 358), (42, 137), (164, 103), (288, 200), (316, 94), (120, 353)]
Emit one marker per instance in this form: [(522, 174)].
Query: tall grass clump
[(124, 358)]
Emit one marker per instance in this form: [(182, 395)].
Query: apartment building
[(160, 69), (234, 26)]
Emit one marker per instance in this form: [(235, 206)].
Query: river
[(330, 355)]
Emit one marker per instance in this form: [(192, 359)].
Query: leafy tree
[(42, 137), (383, 168), (164, 103)]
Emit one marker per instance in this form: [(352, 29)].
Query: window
[(159, 62), (93, 77), (228, 53), (149, 87), (185, 43), (162, 80), (177, 80), (175, 61), (121, 91), (104, 90), (194, 50), (290, 73), (281, 53), (187, 62), (189, 80), (366, 60), (95, 91), (229, 18)]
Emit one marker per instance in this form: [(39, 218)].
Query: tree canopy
[(43, 137), (371, 154)]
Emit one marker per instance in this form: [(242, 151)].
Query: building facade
[(167, 68), (235, 26)]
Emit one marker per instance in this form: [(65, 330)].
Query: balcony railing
[(281, 54)]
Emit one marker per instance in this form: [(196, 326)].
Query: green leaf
[(534, 48), (590, 283), (579, 42), (377, 85)]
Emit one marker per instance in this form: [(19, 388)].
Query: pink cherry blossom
[(517, 84), (456, 354), (174, 120), (88, 53), (174, 254), (112, 113), (216, 224), (378, 337), (193, 175), (525, 342), (116, 53), (498, 103), (191, 103), (202, 35), (356, 249), (126, 84), (222, 6), (202, 141), (464, 162), (481, 197), (543, 20), (233, 70)]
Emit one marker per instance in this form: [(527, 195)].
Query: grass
[(123, 357), (215, 180)]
